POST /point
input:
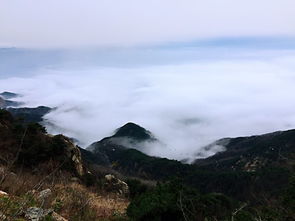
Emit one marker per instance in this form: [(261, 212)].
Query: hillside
[(251, 169), (253, 153), (33, 163)]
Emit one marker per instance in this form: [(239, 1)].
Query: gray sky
[(77, 23)]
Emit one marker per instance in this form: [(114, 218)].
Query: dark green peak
[(8, 95), (134, 131)]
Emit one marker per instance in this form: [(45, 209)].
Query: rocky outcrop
[(44, 194), (73, 152), (113, 184), (38, 214)]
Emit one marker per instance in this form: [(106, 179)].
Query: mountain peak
[(8, 95), (134, 131)]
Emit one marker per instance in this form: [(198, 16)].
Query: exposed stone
[(74, 153), (57, 217), (44, 194), (2, 216), (114, 184), (36, 214), (2, 193)]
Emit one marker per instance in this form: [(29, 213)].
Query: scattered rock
[(57, 217), (44, 194), (2, 193), (36, 214), (2, 216), (113, 184)]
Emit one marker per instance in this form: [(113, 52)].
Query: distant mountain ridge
[(32, 114), (129, 136), (6, 102), (8, 95), (134, 131), (253, 153)]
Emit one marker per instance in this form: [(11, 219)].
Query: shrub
[(135, 188), (174, 201)]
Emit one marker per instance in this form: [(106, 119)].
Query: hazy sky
[(77, 23)]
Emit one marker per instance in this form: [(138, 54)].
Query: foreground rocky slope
[(33, 162)]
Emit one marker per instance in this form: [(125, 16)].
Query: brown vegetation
[(70, 199)]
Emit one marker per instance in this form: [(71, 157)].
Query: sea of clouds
[(186, 105)]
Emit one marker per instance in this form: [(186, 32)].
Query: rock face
[(113, 184), (73, 152)]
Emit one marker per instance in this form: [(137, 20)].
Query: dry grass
[(73, 201), (77, 200)]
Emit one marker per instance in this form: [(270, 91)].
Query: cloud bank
[(186, 105)]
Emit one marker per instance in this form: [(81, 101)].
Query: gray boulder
[(116, 185), (36, 214)]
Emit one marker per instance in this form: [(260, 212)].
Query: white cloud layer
[(77, 23), (185, 105)]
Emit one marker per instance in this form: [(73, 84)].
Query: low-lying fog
[(187, 97)]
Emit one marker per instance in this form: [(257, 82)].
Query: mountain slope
[(30, 114), (253, 153), (28, 145), (8, 95), (129, 136)]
